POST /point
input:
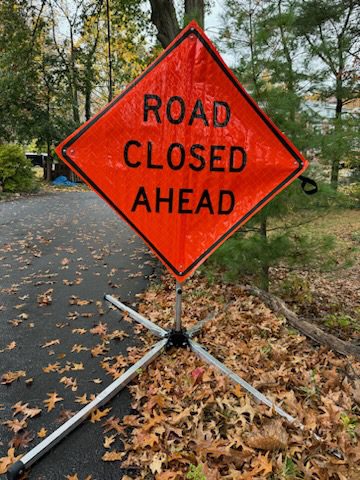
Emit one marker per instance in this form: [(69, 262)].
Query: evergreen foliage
[(270, 69)]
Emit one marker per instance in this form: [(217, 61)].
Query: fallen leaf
[(45, 298), (52, 367), (100, 349), (51, 343), (11, 346), (157, 462), (65, 415), (169, 475), (21, 440), (80, 331), (272, 437), (5, 462), (11, 377), (69, 382), (77, 366), (108, 441), (97, 414), (100, 329), (79, 348), (113, 423), (83, 400), (112, 456), (16, 425), (197, 374), (42, 433), (52, 400)]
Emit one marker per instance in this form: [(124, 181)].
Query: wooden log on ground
[(304, 326)]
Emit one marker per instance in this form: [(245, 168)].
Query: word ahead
[(184, 155)]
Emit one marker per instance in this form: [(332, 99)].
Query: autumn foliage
[(190, 422)]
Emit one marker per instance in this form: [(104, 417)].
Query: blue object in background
[(63, 181)]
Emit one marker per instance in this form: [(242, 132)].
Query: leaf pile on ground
[(49, 187), (191, 421), (188, 421)]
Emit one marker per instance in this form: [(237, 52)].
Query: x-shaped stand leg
[(177, 338)]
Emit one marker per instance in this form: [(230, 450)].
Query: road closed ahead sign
[(184, 154)]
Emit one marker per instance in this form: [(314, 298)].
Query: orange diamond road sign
[(184, 155)]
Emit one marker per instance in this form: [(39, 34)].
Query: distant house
[(327, 109), (57, 167)]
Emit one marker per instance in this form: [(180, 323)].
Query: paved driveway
[(59, 254)]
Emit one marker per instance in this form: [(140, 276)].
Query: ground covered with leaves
[(192, 422), (187, 421)]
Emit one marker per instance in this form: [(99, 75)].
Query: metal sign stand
[(176, 337)]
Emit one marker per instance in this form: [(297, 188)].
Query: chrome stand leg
[(198, 327), (204, 355), (43, 447), (155, 329)]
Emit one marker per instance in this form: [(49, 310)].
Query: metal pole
[(155, 329), (110, 96), (178, 307), (199, 350)]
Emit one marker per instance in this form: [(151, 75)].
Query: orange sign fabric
[(184, 154)]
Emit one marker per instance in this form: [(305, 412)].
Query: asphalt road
[(73, 244)]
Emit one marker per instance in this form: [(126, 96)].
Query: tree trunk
[(335, 165), (290, 82), (48, 164), (163, 16), (108, 26), (88, 91), (252, 45), (74, 87), (194, 10)]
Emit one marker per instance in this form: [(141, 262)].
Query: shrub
[(16, 173)]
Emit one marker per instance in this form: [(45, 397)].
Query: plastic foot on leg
[(15, 470)]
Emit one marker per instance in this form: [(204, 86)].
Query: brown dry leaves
[(190, 415), (11, 377), (52, 400), (5, 462), (45, 298)]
